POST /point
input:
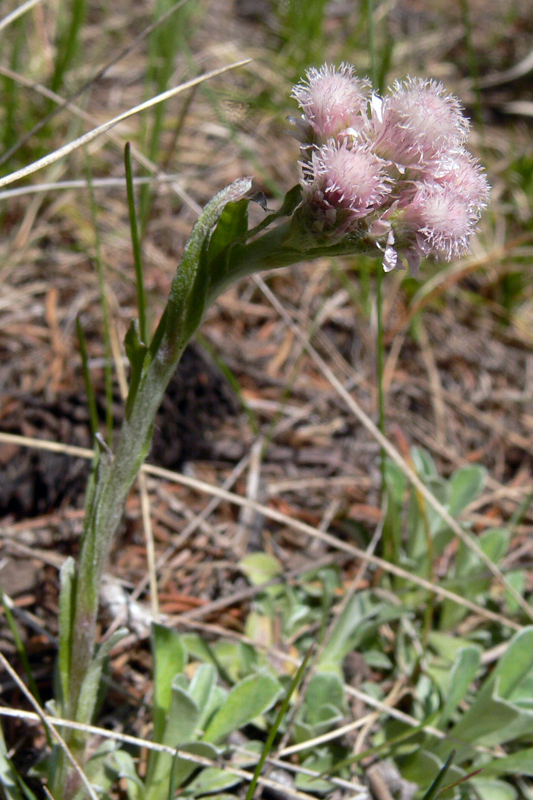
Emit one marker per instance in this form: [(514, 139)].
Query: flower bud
[(442, 221), (332, 101), (347, 177), (417, 125)]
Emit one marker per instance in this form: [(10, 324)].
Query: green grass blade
[(68, 42), (435, 787), (108, 369), (277, 722), (380, 748), (472, 61), (135, 242), (89, 388), (12, 787), (164, 46), (19, 644)]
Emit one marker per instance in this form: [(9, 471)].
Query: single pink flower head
[(417, 125), (442, 221), (345, 177), (333, 101), (467, 180)]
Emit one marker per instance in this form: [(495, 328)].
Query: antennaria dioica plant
[(382, 176)]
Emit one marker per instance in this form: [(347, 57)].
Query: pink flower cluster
[(393, 168)]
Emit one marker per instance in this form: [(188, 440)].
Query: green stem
[(380, 364), (279, 248)]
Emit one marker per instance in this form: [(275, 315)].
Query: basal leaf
[(491, 789), (465, 485), (170, 658), (212, 780), (181, 722), (260, 568), (202, 691), (462, 674), (182, 718), (324, 690), (515, 664), (520, 763), (182, 768), (250, 698)]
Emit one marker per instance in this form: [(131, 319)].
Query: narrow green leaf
[(191, 284), (67, 579), (89, 388), (8, 776), (435, 787), (136, 245), (277, 722), (91, 683), (67, 43), (7, 605)]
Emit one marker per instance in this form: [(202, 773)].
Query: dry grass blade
[(81, 141), (362, 722), (50, 724), (161, 748), (119, 141), (98, 183), (53, 447), (18, 12)]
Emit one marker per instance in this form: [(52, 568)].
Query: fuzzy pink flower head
[(417, 125), (467, 180), (333, 101), (442, 221), (345, 177)]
